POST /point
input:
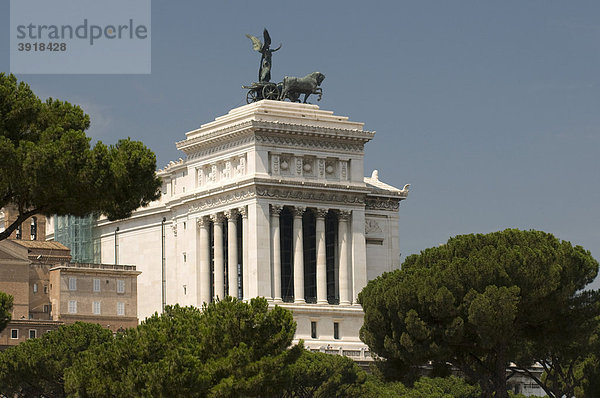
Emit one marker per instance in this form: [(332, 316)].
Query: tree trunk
[(499, 380)]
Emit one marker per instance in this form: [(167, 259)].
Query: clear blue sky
[(490, 110)]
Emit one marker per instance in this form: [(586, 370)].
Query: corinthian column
[(203, 251), (217, 220), (232, 252), (345, 271), (244, 212), (298, 256), (321, 257), (276, 253)]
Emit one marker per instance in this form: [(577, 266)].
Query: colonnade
[(218, 258), (344, 264), (212, 284)]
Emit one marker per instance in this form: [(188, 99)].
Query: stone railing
[(115, 267), (362, 354)]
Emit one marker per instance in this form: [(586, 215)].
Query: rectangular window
[(73, 283), (336, 330), (96, 285), (313, 330), (184, 257), (72, 307), (120, 286), (121, 309), (45, 289), (96, 307), (46, 308), (14, 333), (35, 287), (32, 333)]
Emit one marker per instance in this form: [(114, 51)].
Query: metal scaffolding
[(77, 234)]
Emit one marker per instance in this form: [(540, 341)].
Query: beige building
[(23, 279), (36, 273), (97, 293)]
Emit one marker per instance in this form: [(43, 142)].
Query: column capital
[(203, 221), (231, 214), (344, 215), (217, 218), (243, 211), (276, 210), (299, 211), (321, 213)]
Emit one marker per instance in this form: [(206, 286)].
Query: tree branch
[(22, 217), (534, 378)]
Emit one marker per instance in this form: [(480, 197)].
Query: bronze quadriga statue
[(291, 87)]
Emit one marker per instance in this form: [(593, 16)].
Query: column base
[(300, 301), (322, 302), (344, 303), (278, 300)]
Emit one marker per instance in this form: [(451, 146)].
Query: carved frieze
[(312, 196), (298, 169), (321, 168), (372, 227), (221, 200), (382, 204), (222, 171), (343, 170), (308, 166), (275, 170)]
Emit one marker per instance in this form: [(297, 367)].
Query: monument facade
[(270, 200)]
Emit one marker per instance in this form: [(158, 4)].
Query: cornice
[(303, 141), (275, 133), (213, 137)]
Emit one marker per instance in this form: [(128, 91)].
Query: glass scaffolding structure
[(77, 234)]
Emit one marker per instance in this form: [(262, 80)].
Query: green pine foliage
[(481, 302), (6, 304), (36, 367), (49, 167)]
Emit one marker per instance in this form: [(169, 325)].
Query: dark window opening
[(336, 330), (19, 232), (331, 223), (286, 224), (240, 256), (313, 330), (226, 258), (33, 228), (309, 244), (32, 333)]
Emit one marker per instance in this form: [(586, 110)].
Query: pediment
[(12, 251)]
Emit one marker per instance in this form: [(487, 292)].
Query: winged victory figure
[(264, 71)]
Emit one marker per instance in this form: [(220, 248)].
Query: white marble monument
[(271, 200)]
